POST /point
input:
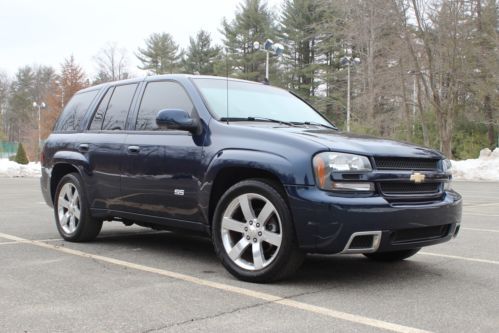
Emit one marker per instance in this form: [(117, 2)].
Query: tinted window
[(101, 110), (74, 112), (117, 110), (159, 96)]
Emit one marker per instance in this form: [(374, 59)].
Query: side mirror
[(177, 119)]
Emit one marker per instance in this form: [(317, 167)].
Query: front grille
[(391, 189), (420, 234), (400, 163)]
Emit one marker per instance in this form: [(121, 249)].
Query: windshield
[(254, 101)]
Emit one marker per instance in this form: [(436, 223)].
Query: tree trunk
[(489, 115)]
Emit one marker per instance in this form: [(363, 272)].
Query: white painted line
[(38, 240), (482, 205), (478, 214), (478, 229), (228, 288), (484, 261)]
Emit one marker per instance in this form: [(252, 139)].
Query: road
[(133, 279)]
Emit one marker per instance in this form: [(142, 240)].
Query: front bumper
[(324, 221)]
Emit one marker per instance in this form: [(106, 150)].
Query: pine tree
[(253, 22), (161, 54), (21, 157), (72, 78), (201, 54), (301, 44)]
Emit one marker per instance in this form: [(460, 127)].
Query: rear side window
[(96, 124), (117, 109), (158, 96), (74, 112)]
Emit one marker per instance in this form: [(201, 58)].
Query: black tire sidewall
[(288, 234), (74, 179)]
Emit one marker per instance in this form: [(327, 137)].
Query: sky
[(45, 32)]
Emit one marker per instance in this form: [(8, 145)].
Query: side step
[(363, 242)]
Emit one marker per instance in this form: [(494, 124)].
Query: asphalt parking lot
[(132, 279)]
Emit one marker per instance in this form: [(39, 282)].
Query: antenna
[(227, 80)]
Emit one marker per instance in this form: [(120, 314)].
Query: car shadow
[(330, 270)]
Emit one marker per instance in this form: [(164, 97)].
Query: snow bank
[(13, 169), (485, 167)]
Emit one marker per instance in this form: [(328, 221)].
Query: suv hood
[(364, 145)]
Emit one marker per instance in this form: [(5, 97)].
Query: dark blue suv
[(254, 166)]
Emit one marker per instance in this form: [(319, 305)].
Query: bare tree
[(112, 63)]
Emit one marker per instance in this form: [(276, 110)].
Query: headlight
[(447, 168), (326, 163)]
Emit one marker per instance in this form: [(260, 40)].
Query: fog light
[(349, 186)]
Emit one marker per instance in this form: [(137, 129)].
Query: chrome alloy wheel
[(251, 219), (69, 208)]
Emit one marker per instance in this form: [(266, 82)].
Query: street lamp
[(59, 83), (39, 106), (414, 97), (348, 60), (269, 47)]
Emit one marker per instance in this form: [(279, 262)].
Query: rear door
[(162, 171), (104, 144)]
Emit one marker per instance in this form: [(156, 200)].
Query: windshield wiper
[(282, 122), (314, 123)]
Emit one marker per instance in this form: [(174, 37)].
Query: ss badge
[(178, 192)]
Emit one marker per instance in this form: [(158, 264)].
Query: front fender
[(254, 159), (279, 166)]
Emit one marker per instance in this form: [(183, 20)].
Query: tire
[(71, 210), (392, 255), (256, 241)]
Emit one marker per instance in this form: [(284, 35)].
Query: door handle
[(133, 149), (83, 148)]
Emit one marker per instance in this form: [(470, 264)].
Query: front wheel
[(253, 232), (72, 214), (392, 255)]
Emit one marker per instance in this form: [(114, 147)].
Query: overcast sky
[(45, 32)]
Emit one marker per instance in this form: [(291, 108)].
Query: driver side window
[(158, 96)]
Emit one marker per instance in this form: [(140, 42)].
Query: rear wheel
[(253, 233), (72, 214), (392, 255)]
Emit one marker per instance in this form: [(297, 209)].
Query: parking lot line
[(485, 261), (482, 204), (39, 240), (480, 214), (228, 288), (479, 229)]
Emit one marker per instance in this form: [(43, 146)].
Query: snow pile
[(485, 167), (13, 169)]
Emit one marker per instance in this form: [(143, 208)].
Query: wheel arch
[(66, 162), (231, 167)]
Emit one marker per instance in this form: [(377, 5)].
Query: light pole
[(59, 83), (349, 61), (269, 46), (414, 98), (39, 106)]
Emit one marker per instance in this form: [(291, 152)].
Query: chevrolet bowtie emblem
[(417, 177)]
